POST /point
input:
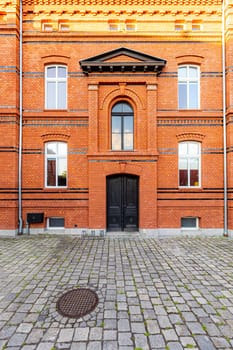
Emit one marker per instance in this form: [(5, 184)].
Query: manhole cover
[(77, 303)]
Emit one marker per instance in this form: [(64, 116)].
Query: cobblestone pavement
[(170, 293)]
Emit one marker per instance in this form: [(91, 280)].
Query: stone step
[(122, 234)]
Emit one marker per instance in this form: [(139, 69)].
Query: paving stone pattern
[(168, 293)]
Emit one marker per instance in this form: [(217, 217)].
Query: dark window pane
[(56, 222), (62, 170), (183, 177), (51, 172), (194, 178), (189, 222)]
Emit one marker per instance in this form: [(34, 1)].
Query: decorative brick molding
[(55, 136), (119, 92), (194, 136)]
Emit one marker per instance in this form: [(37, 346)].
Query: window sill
[(56, 188), (189, 109), (55, 109), (190, 228), (189, 188)]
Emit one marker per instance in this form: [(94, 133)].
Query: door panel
[(114, 203), (122, 203), (130, 211)]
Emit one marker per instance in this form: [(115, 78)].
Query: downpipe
[(225, 232), (20, 220)]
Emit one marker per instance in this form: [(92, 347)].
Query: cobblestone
[(155, 294)]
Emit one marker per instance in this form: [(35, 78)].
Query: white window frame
[(190, 228), (189, 80), (55, 227), (55, 157), (189, 157), (55, 80)]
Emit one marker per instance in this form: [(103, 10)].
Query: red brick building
[(116, 116)]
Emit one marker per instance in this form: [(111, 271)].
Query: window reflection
[(122, 126)]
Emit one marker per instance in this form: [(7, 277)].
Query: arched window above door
[(122, 127)]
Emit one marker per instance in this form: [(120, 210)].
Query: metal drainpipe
[(225, 232), (20, 224)]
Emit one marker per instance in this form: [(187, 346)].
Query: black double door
[(122, 203)]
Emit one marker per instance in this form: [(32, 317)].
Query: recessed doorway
[(122, 202)]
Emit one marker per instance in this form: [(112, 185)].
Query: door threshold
[(122, 234)]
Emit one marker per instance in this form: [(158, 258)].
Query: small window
[(196, 26), (189, 164), (56, 164), (64, 27), (47, 27), (56, 87), (188, 87), (56, 222), (130, 26), (113, 26), (189, 223), (179, 25)]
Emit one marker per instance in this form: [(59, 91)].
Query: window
[(130, 25), (122, 127), (47, 27), (113, 25), (196, 25), (189, 164), (189, 223), (64, 27), (179, 25), (55, 222), (56, 87), (56, 164), (188, 87)]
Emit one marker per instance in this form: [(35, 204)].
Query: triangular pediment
[(122, 60)]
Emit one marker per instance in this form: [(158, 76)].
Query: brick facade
[(69, 35)]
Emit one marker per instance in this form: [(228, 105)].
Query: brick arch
[(55, 59), (190, 136), (189, 59), (124, 168), (55, 137), (121, 92)]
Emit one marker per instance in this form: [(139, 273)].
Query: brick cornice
[(125, 2)]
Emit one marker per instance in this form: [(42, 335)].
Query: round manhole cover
[(77, 303)]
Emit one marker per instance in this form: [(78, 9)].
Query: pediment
[(122, 60)]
